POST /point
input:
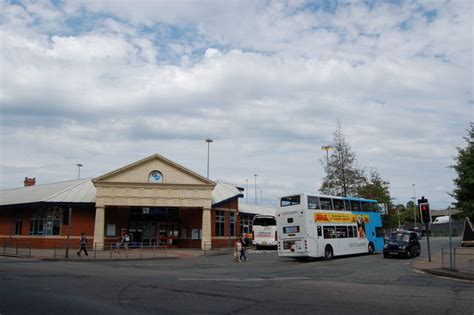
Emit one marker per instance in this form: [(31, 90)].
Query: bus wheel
[(371, 248), (328, 253)]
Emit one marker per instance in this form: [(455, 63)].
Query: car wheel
[(409, 253), (328, 253), (371, 248)]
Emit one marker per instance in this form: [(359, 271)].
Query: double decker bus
[(328, 226)]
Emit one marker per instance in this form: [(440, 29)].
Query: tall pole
[(261, 196), (79, 165), (414, 200), (209, 141), (344, 189), (255, 188), (327, 148), (247, 191)]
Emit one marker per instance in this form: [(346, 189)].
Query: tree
[(343, 177), (375, 188), (463, 192)]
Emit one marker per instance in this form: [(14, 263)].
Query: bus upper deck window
[(338, 204), (290, 201), (355, 205), (313, 202), (366, 207), (326, 203)]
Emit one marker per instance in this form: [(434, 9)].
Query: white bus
[(264, 231), (325, 226)]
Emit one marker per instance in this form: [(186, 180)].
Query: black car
[(402, 243)]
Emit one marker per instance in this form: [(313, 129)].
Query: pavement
[(440, 265), (112, 255)]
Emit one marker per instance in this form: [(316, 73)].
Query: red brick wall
[(190, 219), (225, 241), (82, 220)]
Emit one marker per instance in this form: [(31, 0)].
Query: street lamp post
[(414, 208), (209, 141), (247, 191), (255, 188), (79, 165), (327, 148)]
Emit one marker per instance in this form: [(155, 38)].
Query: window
[(338, 204), (232, 223), (18, 223), (313, 202), (264, 221), (290, 201), (348, 205), (366, 207), (111, 230), (352, 231), (326, 203), (379, 232), (155, 177), (329, 232), (375, 207), (45, 221), (289, 220), (220, 223), (341, 231), (355, 205), (245, 223), (319, 231)]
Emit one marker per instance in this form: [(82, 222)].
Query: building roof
[(72, 191), (83, 191), (255, 209), (225, 191)]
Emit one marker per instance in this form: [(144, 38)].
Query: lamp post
[(247, 191), (255, 188), (414, 208), (209, 141), (79, 165), (327, 148)]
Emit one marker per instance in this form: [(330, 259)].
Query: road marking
[(244, 279), (418, 271)]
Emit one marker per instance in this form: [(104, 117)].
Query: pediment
[(140, 171)]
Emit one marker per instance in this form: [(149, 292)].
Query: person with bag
[(125, 241), (237, 251), (243, 248), (83, 243)]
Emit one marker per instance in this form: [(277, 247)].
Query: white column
[(206, 229), (99, 228)]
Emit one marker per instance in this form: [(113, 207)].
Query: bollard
[(454, 258), (442, 257), (154, 250), (110, 251), (54, 252), (141, 250), (17, 247)]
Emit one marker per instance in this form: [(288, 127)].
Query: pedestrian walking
[(243, 246), (125, 241), (237, 251), (83, 243), (118, 244)]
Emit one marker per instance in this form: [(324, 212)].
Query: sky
[(108, 83)]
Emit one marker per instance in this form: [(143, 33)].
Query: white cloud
[(107, 83)]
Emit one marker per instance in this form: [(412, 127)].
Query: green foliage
[(464, 183)]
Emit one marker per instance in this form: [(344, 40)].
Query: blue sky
[(106, 83)]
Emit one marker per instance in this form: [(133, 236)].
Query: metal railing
[(460, 259), (16, 248), (110, 251)]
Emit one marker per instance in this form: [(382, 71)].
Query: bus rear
[(264, 231), (292, 229)]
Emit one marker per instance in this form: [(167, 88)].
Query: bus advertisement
[(328, 226)]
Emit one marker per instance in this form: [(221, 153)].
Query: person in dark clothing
[(242, 251), (83, 243)]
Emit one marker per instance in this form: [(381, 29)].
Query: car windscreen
[(400, 237)]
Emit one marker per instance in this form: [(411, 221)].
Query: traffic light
[(425, 213)]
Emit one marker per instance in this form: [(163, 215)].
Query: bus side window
[(350, 230), (375, 207), (313, 202), (348, 205), (329, 232), (338, 204), (366, 206), (326, 203), (355, 205), (319, 231)]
